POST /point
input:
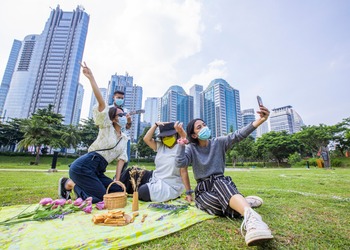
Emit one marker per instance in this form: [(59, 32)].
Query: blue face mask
[(119, 102), (122, 121), (204, 133)]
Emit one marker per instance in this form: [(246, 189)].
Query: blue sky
[(291, 52)]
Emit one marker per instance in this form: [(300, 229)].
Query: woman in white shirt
[(167, 181), (87, 177)]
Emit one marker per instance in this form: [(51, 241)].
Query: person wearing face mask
[(165, 182), (87, 178), (215, 193), (118, 98)]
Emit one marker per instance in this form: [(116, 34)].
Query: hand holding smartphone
[(259, 101)]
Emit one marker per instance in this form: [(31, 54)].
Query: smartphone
[(259, 100)]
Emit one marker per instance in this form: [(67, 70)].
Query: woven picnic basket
[(117, 199)]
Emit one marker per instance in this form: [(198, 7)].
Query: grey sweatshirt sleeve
[(183, 156), (236, 136)]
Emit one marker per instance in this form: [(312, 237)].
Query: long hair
[(190, 130), (112, 112)]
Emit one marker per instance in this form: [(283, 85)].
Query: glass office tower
[(221, 108), (63, 42), (176, 105), (48, 69), (10, 68)]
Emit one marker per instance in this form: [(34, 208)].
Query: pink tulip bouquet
[(49, 209)]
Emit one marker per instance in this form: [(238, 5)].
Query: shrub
[(336, 163), (294, 158)]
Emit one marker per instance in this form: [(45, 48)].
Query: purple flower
[(88, 209), (45, 201), (69, 201), (100, 205), (82, 205), (78, 202), (88, 200), (59, 202)]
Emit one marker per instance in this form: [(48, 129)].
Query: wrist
[(189, 192), (182, 141)]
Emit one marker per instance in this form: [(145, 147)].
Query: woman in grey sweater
[(215, 193)]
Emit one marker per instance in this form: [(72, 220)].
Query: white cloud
[(147, 39), (215, 69)]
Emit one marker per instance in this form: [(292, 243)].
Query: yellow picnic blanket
[(78, 231)]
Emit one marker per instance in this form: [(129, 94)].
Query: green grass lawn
[(305, 209)]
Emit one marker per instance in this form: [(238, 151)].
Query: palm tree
[(71, 136), (43, 128)]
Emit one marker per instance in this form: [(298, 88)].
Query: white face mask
[(122, 121)]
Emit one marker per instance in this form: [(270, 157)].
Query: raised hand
[(87, 71), (263, 113), (179, 129)]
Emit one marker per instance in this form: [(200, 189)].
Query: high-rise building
[(195, 91), (132, 99), (48, 69), (285, 119), (93, 100), (262, 129), (176, 105), (20, 93), (10, 68), (248, 116), (151, 110), (78, 104), (221, 108)]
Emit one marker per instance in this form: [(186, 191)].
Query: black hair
[(190, 130), (112, 112), (118, 92)]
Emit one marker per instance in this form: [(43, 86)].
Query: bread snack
[(112, 218)]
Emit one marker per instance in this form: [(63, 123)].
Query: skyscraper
[(285, 119), (262, 129), (132, 99), (195, 91), (19, 95), (221, 108), (10, 68), (78, 104), (151, 110), (248, 116), (176, 105), (48, 69), (93, 100)]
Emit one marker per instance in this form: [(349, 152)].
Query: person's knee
[(144, 194)]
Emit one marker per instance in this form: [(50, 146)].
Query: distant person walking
[(325, 157)]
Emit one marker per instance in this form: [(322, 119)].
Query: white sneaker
[(256, 230), (254, 201)]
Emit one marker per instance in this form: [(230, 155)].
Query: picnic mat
[(78, 231)]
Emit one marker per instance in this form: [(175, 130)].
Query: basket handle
[(116, 182)]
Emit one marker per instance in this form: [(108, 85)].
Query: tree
[(341, 135), (10, 133), (43, 128), (313, 137), (71, 136), (143, 149), (279, 145), (88, 132), (242, 150)]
